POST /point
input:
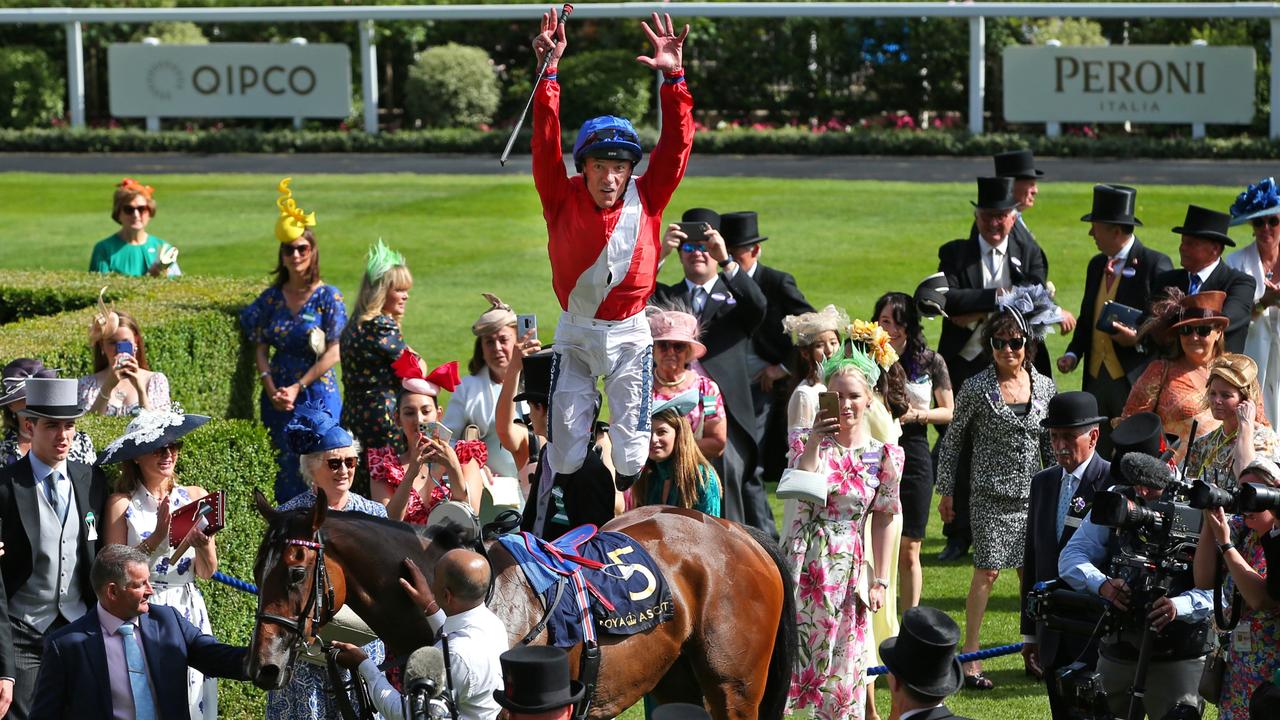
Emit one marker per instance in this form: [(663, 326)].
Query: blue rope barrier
[(236, 583), (967, 657)]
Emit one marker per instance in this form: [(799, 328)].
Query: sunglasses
[(174, 448), (336, 463), (302, 249), (1201, 330), (135, 209), (1272, 220), (611, 134), (670, 346), (693, 247), (1013, 343)]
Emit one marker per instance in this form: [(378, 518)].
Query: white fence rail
[(73, 19)]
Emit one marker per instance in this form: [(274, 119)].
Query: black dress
[(917, 471)]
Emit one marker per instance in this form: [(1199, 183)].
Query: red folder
[(212, 508)]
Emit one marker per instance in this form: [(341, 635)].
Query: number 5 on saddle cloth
[(615, 584)]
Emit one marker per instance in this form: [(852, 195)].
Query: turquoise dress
[(708, 500), (114, 255), (268, 320)]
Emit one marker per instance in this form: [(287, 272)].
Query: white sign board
[(230, 80), (1135, 83)]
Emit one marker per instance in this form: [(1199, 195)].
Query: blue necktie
[(1193, 284), (1065, 494), (144, 705), (55, 498)]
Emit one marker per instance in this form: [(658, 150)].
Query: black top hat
[(923, 655), (739, 229), (1072, 409), (1113, 204), (536, 376), (702, 215), (15, 376), (1208, 224), (680, 711), (1019, 164), (931, 296), (995, 193), (54, 398), (1142, 433), (535, 679)]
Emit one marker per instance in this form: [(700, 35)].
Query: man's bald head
[(464, 575)]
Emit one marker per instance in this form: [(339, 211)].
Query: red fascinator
[(409, 368), (134, 186)]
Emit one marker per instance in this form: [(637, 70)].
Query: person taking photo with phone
[(122, 382)]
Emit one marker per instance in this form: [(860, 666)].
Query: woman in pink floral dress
[(824, 543)]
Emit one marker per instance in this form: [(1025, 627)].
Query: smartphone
[(525, 323), (436, 431), (828, 405), (697, 231), (124, 347)]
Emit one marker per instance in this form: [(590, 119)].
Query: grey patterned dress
[(1007, 447)]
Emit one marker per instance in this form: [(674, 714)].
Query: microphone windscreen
[(1146, 471), (426, 668)]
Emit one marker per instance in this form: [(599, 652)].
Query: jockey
[(604, 230)]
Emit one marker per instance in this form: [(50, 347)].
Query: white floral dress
[(825, 547), (175, 587)]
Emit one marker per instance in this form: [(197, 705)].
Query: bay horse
[(731, 642)]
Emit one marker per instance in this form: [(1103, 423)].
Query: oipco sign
[(230, 80), (1138, 83)]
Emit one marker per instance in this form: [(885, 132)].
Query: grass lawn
[(846, 242)]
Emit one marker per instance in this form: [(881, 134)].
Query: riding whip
[(546, 61)]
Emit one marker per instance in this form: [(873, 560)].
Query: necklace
[(678, 381)]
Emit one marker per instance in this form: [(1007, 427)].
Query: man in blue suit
[(126, 658), (1060, 497)]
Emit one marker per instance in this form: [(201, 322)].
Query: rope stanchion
[(236, 583), (967, 657)]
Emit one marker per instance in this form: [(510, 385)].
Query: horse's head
[(299, 589)]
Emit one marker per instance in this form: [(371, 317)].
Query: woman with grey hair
[(328, 458)]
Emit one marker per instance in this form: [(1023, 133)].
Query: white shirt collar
[(40, 471), (1079, 472), (988, 248), (752, 272), (1205, 273), (466, 618), (705, 286), (1124, 251)]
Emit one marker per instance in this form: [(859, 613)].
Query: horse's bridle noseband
[(320, 601)]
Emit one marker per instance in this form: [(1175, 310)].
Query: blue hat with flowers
[(607, 137), (1258, 200), (313, 430)]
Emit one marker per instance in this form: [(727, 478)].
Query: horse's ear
[(319, 509), (264, 506)]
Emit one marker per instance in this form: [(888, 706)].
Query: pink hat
[(676, 326)]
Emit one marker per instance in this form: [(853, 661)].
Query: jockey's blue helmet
[(607, 137)]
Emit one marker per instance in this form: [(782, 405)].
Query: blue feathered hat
[(1256, 201), (607, 137), (313, 430)]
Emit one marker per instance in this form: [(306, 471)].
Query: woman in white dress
[(475, 401), (139, 516), (1259, 206)]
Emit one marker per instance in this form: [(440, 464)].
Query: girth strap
[(546, 613)]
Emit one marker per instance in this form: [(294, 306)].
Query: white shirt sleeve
[(385, 698)]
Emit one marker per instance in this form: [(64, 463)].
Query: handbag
[(1215, 667), (803, 485)]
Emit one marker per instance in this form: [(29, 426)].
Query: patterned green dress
[(369, 384)]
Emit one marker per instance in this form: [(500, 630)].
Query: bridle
[(320, 601)]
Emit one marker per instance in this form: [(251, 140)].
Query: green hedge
[(784, 141), (234, 456), (191, 327)]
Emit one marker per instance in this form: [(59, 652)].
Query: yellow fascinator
[(105, 322), (876, 342), (293, 220)]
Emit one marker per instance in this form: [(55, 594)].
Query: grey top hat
[(54, 398)]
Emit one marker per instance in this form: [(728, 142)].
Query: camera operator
[(1252, 654), (476, 637), (1180, 616)]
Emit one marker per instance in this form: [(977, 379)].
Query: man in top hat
[(1020, 166), (1180, 618), (1060, 495), (604, 231), (675, 238), (729, 306), (559, 502), (1124, 271), (770, 347), (50, 510), (536, 684), (1204, 236), (978, 270), (922, 663)]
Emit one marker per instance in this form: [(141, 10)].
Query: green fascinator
[(855, 357), (381, 259)]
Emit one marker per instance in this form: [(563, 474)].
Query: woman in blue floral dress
[(839, 584), (1253, 647), (328, 457), (139, 516), (301, 319), (370, 345)]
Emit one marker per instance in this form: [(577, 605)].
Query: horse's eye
[(297, 574)]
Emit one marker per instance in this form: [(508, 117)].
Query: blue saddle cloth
[(618, 586)]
